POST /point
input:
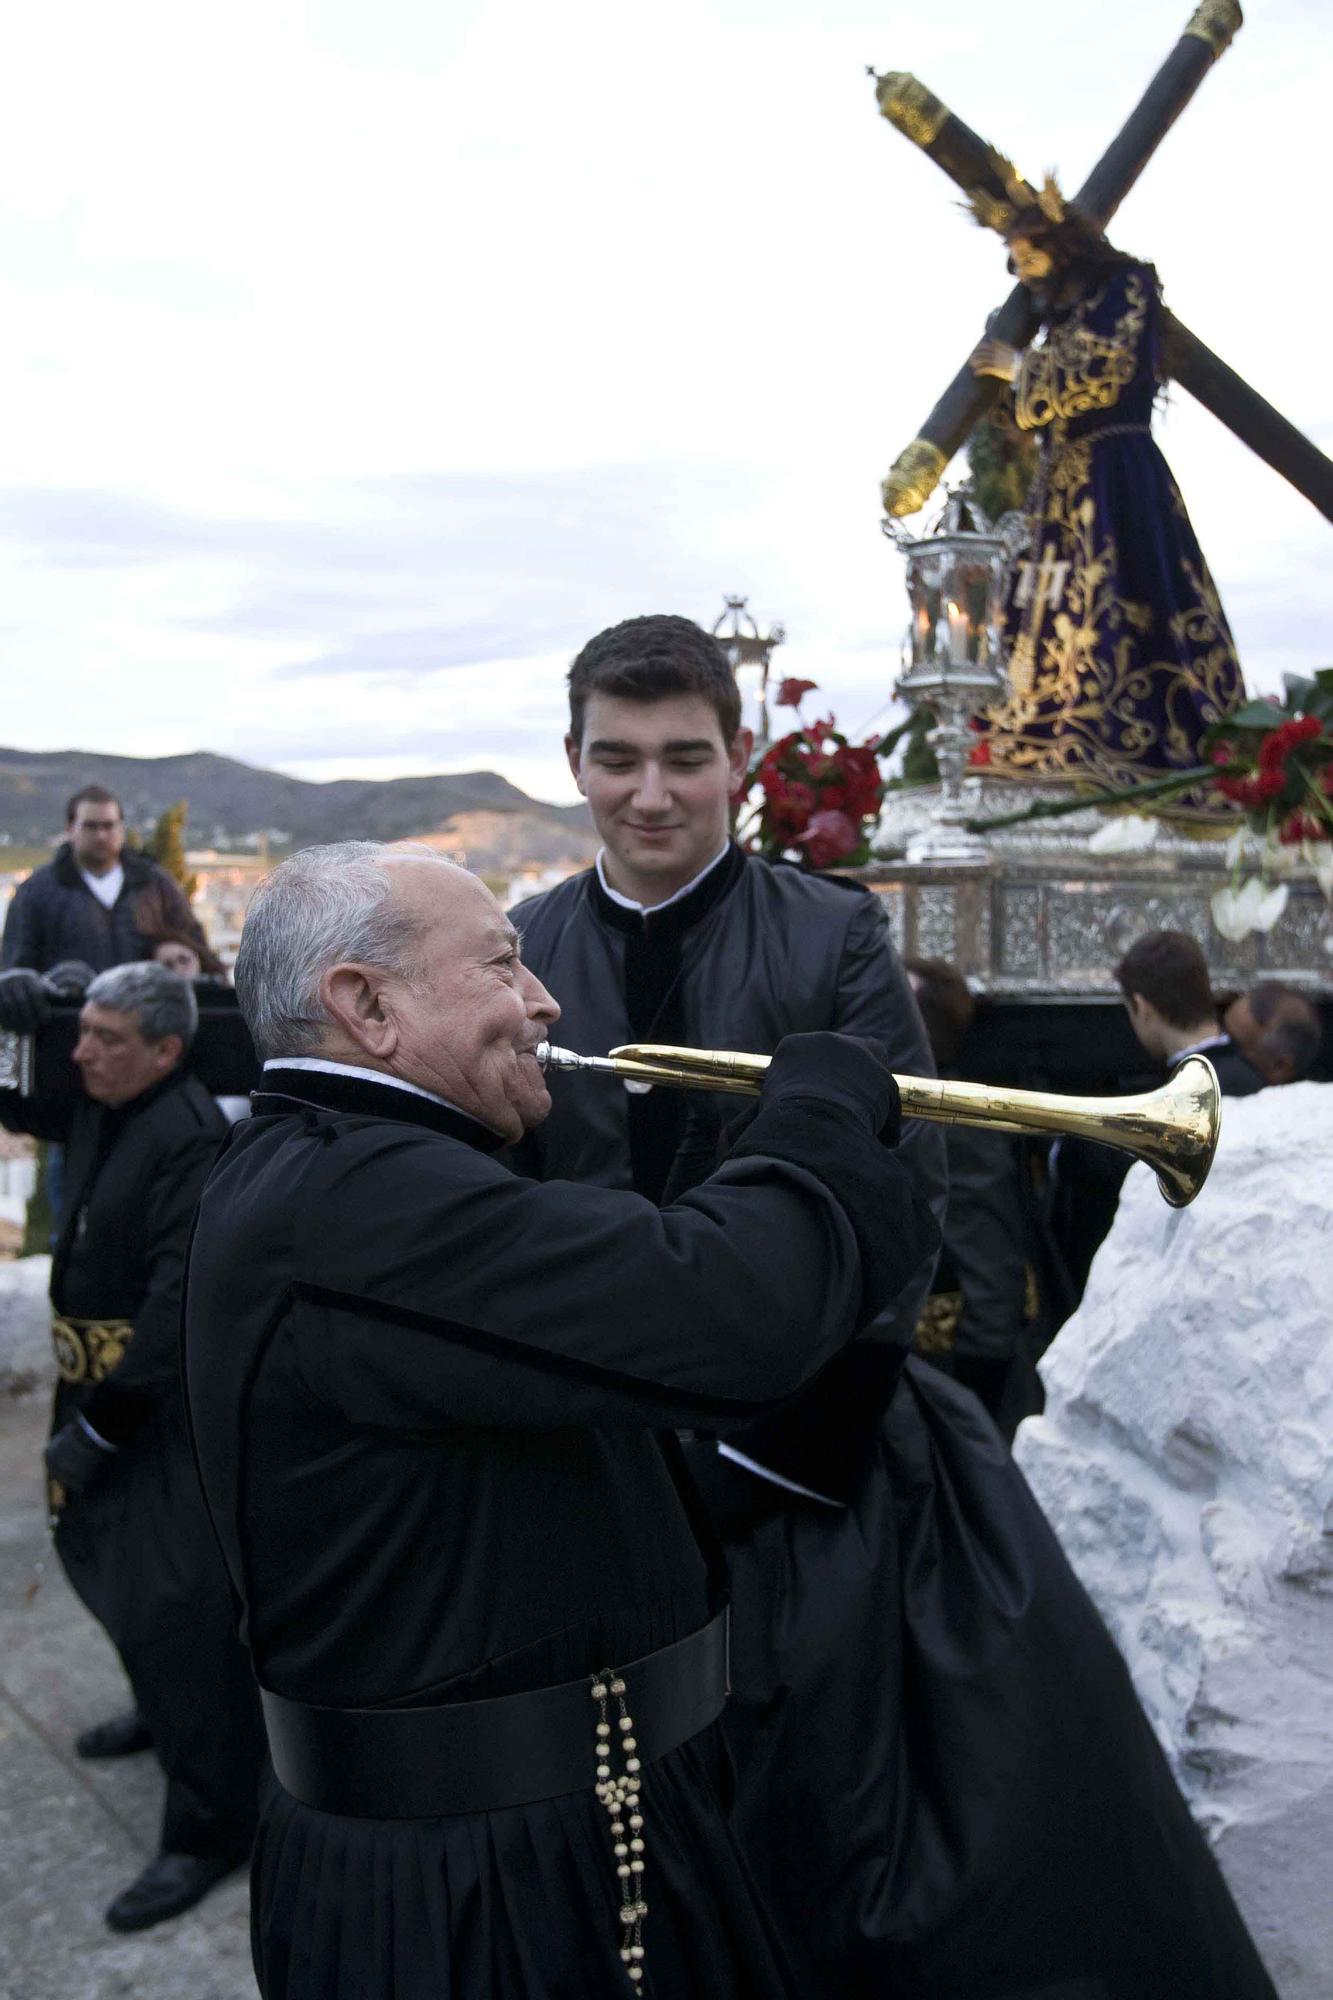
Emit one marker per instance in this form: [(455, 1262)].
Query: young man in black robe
[(944, 1779), (130, 1526), (433, 1404), (1169, 999)]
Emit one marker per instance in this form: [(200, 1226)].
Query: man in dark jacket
[(1277, 1029), (433, 1405), (943, 1778), (999, 1290), (130, 1526), (96, 903), (1169, 997)]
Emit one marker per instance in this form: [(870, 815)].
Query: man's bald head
[(396, 960), (1277, 1030), (323, 906)]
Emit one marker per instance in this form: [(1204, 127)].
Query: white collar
[(327, 1068), (651, 909), (106, 887), (1218, 1041)]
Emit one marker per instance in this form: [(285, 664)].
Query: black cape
[(431, 1404), (945, 1782), (137, 1545)]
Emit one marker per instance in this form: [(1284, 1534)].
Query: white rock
[(1186, 1462), (26, 1360)]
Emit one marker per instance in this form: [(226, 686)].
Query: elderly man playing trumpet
[(433, 1404)]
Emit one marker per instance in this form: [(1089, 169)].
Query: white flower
[(1129, 833), (1253, 907), (1236, 846), (1269, 905)]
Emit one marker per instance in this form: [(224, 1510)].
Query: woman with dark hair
[(1119, 651), (193, 957)]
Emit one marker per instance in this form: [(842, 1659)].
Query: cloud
[(342, 439), (413, 655)]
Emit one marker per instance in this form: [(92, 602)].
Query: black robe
[(136, 1544), (945, 1782), (432, 1406)]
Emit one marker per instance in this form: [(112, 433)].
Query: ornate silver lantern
[(955, 581), (750, 654)]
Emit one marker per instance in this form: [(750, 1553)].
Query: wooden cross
[(986, 177)]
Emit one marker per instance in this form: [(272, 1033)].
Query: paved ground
[(72, 1834)]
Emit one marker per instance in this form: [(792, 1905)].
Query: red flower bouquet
[(1276, 762), (818, 794)]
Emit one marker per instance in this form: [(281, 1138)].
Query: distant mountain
[(231, 803)]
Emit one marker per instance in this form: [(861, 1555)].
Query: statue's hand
[(997, 358)]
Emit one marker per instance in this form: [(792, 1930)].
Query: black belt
[(481, 1756)]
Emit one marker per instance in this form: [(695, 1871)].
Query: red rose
[(1222, 755), (862, 782), (829, 836), (793, 692), (979, 755), (788, 808), (1302, 826), (1268, 784)]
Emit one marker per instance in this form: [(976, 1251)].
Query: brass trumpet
[(1174, 1129)]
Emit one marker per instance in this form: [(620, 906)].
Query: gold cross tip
[(912, 109), (1216, 22)]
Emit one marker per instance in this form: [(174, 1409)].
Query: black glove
[(25, 1001), (70, 979), (75, 1459), (838, 1069)]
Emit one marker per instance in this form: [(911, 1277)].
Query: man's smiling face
[(463, 1016), (660, 780)]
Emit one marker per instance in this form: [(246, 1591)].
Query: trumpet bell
[(1180, 1128)]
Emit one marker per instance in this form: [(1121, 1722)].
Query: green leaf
[(1131, 796), (887, 744), (1257, 715)]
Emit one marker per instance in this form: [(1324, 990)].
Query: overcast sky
[(359, 361)]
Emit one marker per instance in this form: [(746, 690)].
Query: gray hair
[(161, 1002), (322, 907)]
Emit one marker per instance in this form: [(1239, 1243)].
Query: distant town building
[(226, 884)]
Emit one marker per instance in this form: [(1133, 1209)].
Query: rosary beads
[(620, 1795)]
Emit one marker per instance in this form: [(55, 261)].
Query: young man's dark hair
[(645, 659), (946, 1004), (1168, 969), (92, 795)]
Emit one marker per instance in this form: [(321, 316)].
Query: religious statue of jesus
[(1120, 653)]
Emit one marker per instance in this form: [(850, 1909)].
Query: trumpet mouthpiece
[(553, 1059)]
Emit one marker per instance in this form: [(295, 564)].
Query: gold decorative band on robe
[(87, 1350), (937, 1328)]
